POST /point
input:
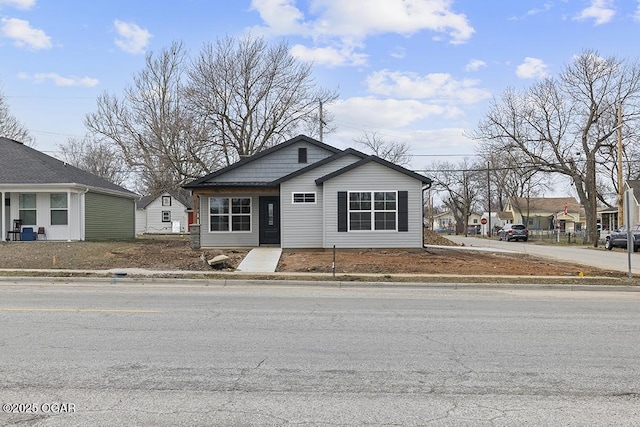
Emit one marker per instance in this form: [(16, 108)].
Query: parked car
[(618, 238), (513, 232)]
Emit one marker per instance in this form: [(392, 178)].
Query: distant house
[(446, 222), (545, 213), (304, 193), (162, 213), (67, 203)]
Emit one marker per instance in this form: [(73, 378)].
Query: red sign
[(483, 221)]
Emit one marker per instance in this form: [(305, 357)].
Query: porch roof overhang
[(230, 189), (62, 187)]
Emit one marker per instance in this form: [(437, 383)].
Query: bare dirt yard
[(175, 254)]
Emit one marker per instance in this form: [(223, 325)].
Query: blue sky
[(416, 71)]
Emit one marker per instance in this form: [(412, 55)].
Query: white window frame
[(23, 208), (166, 216), (305, 195), (64, 209), (166, 200), (372, 211), (230, 215)]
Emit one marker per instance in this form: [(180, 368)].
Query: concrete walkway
[(261, 260)]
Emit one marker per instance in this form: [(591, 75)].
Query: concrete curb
[(238, 281)]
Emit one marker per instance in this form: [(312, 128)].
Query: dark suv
[(513, 232), (618, 238)]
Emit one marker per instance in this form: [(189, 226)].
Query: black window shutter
[(403, 211), (342, 211)]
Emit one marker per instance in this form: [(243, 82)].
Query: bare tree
[(393, 151), (508, 177), (558, 117), (96, 157), (153, 130), (10, 127), (459, 188), (252, 95)]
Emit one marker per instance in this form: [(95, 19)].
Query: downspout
[(4, 208), (81, 213), (429, 220)]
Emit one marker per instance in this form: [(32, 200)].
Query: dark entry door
[(270, 220)]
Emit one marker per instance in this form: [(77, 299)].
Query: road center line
[(78, 310)]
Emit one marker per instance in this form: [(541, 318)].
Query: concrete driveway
[(616, 259)]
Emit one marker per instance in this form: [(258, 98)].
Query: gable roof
[(147, 200), (20, 164), (300, 138), (545, 204), (378, 160), (348, 151)]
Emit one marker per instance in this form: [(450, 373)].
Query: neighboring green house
[(303, 193), (64, 202)]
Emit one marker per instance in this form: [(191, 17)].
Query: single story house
[(63, 202), (547, 213), (446, 222), (304, 193), (164, 213)]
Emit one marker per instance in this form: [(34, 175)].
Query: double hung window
[(27, 208), (230, 214), (373, 210), (59, 208)]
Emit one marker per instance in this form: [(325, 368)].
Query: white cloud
[(545, 8), (375, 113), (636, 16), (532, 68), (19, 4), (23, 35), (282, 16), (329, 56), (132, 38), (59, 80), (436, 87), (475, 65), (347, 24), (398, 52), (601, 11)]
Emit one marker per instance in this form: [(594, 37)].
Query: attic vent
[(302, 155)]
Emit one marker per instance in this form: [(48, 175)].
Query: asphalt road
[(616, 259), (174, 354)]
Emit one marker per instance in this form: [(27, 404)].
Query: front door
[(270, 220)]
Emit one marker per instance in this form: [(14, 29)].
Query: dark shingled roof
[(20, 164)]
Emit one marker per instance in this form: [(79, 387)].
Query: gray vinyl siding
[(373, 177), (276, 165), (109, 217), (229, 239), (302, 224)]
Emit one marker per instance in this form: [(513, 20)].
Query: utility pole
[(620, 179), (489, 199), (321, 122)]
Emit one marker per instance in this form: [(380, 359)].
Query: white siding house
[(163, 213), (303, 193)]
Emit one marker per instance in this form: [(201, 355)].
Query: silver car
[(513, 232)]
